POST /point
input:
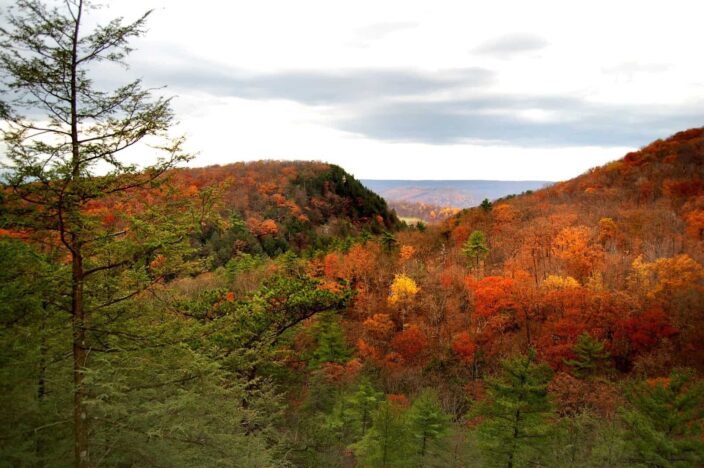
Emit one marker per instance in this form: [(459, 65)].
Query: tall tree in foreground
[(515, 428), (65, 157)]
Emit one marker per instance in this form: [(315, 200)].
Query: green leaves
[(590, 356), (665, 421), (515, 423), (475, 247)]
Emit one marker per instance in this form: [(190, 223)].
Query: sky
[(502, 90)]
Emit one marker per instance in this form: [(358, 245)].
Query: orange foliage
[(367, 351), (493, 295), (406, 252), (572, 246), (695, 224), (460, 234), (379, 326), (333, 267)]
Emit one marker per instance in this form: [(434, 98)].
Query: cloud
[(511, 44), (511, 120), (318, 87), (432, 107), (380, 30)]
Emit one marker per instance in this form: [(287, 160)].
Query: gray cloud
[(392, 105), (497, 119), (323, 87), (511, 44)]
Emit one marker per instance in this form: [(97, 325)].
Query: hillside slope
[(281, 204)]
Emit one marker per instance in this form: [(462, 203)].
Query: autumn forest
[(279, 313)]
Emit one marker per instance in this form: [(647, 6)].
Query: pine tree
[(332, 346), (388, 443), (351, 417), (665, 421), (590, 356), (486, 205), (388, 241), (428, 425), (475, 247), (514, 431), (72, 131)]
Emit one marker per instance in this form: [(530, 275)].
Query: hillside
[(283, 205)]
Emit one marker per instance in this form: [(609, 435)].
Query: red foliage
[(399, 400), (643, 332), (559, 340), (464, 346), (410, 343)]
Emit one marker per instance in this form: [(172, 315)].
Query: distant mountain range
[(450, 193)]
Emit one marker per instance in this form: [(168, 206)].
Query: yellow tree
[(402, 292)]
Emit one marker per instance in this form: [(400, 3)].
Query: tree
[(572, 245), (476, 247), (665, 421), (352, 415), (428, 424), (402, 292), (485, 205), (331, 342), (589, 356), (388, 442), (515, 427), (388, 241), (410, 343), (72, 131)]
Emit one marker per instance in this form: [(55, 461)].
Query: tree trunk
[(80, 354), (80, 357), (41, 396)]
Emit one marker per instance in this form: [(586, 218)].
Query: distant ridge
[(450, 193)]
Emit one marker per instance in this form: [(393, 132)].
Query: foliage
[(428, 425), (665, 421), (388, 443), (515, 426), (590, 355), (475, 247), (403, 289)]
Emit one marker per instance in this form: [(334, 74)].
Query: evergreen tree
[(351, 417), (388, 241), (515, 429), (428, 425), (665, 421), (389, 442), (74, 131), (332, 346), (475, 247), (590, 356), (486, 205)]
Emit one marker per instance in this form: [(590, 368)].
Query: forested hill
[(649, 202), (361, 344), (283, 205)]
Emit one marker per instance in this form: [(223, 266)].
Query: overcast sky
[(510, 90)]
